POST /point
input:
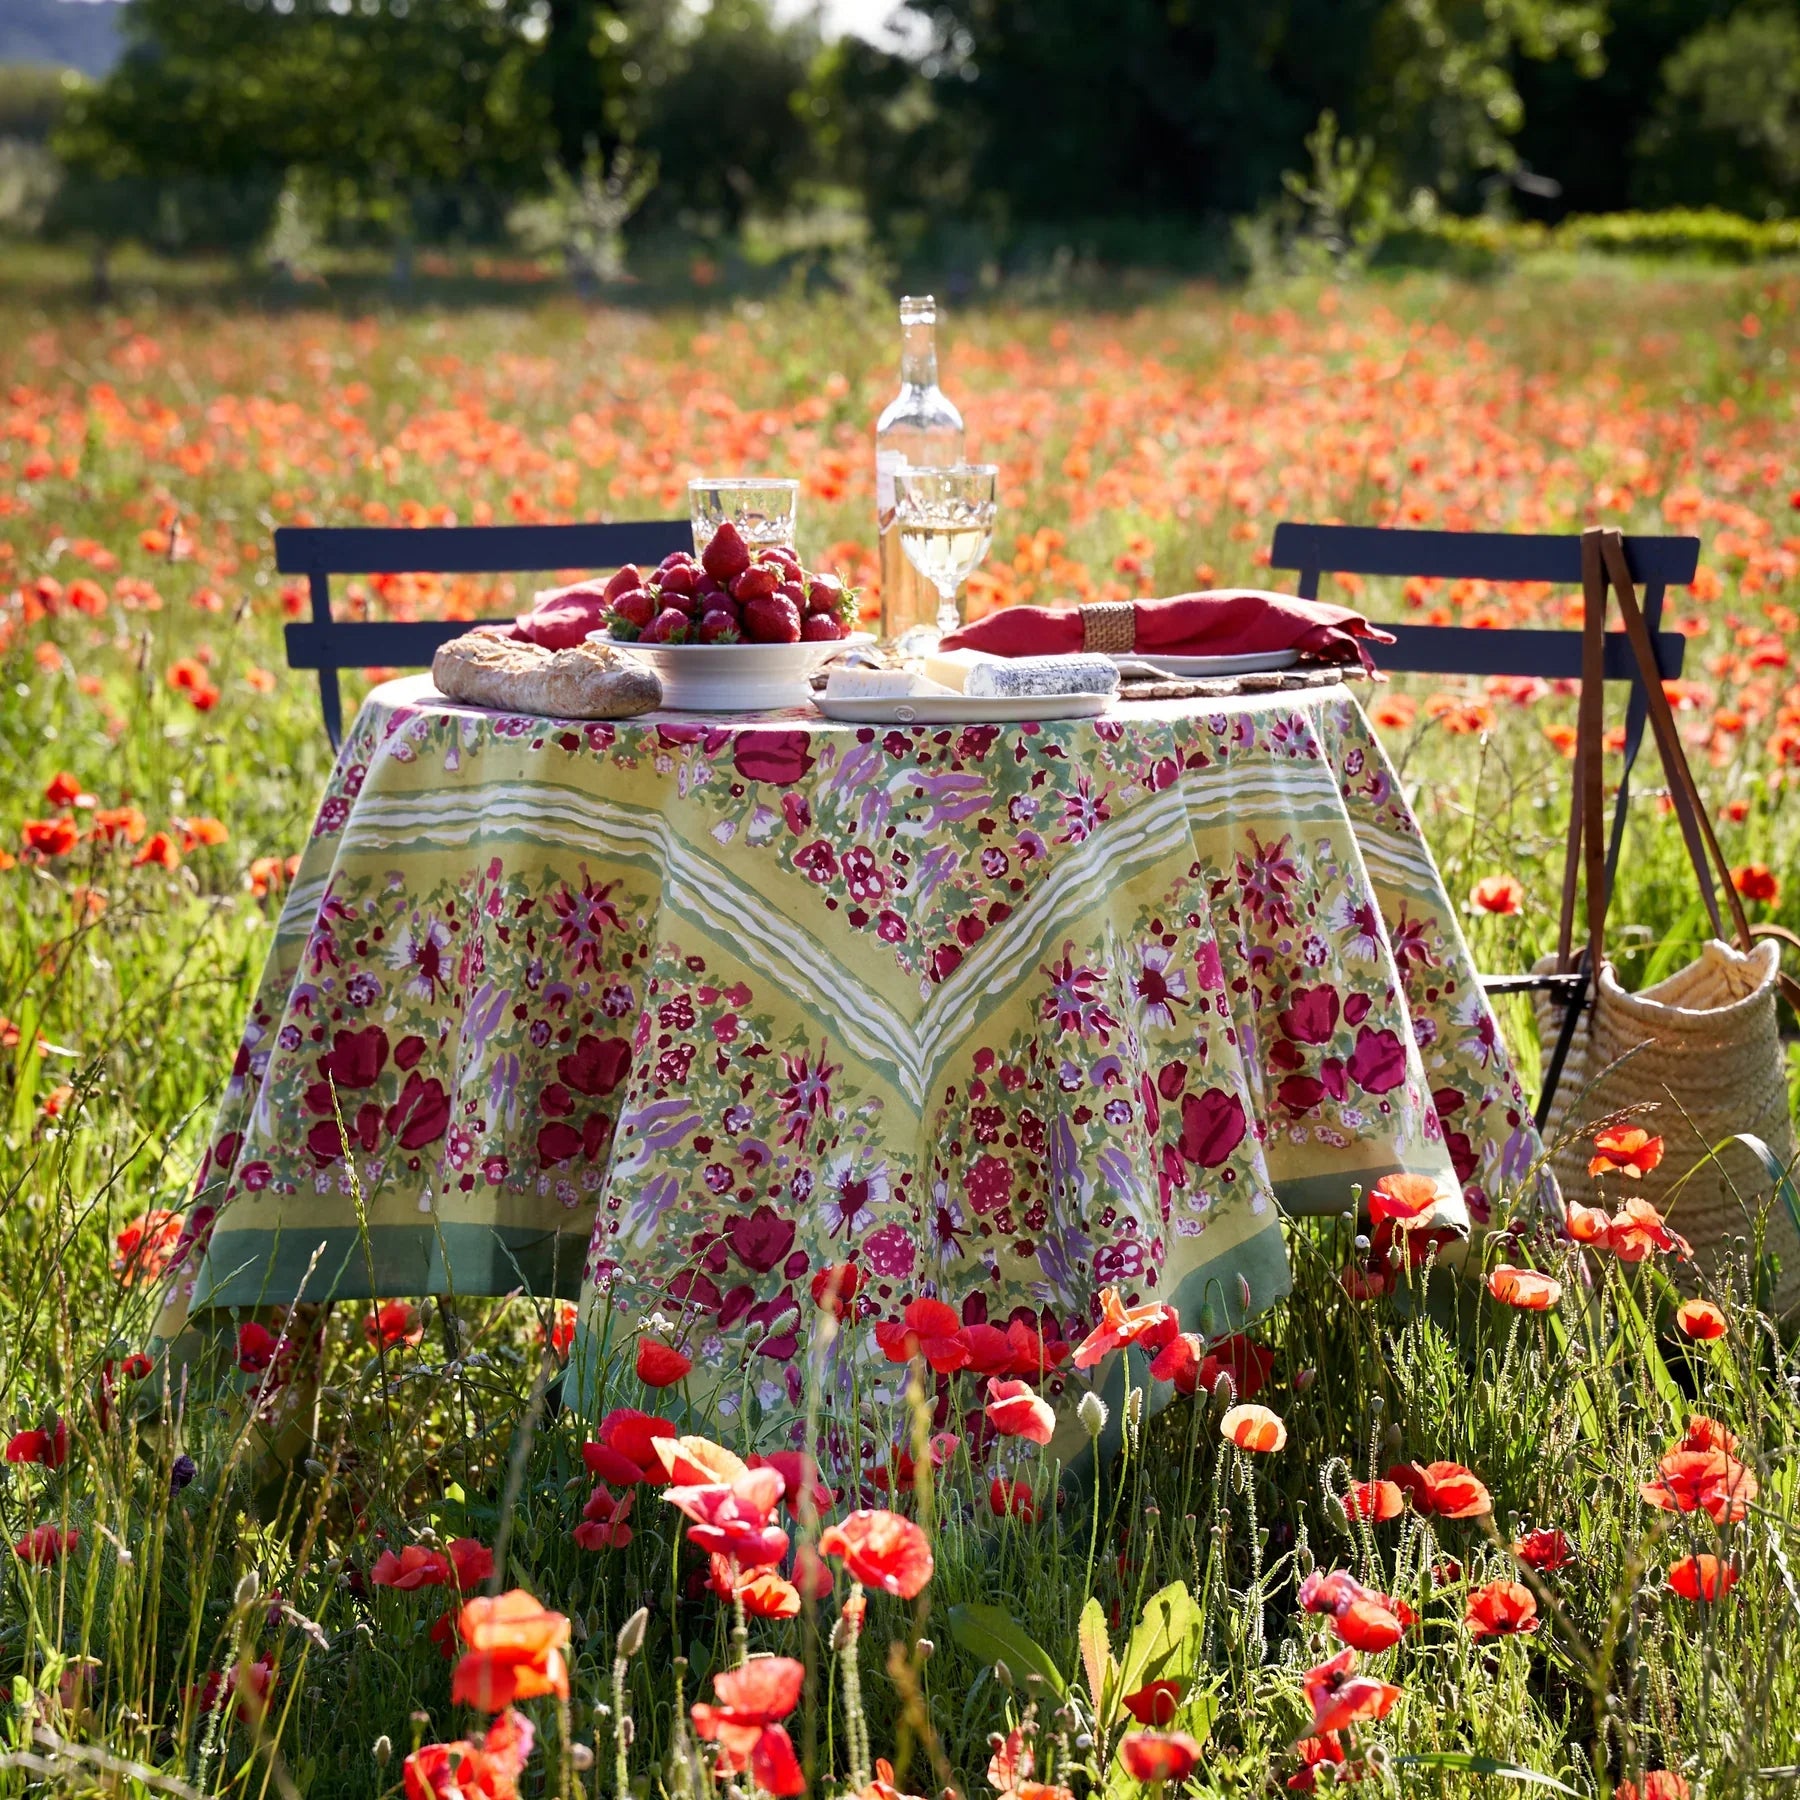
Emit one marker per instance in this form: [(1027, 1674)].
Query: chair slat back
[(329, 644), (1655, 562)]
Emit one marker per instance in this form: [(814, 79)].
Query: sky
[(863, 18)]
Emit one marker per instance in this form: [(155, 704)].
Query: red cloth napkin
[(563, 617), (1223, 622)]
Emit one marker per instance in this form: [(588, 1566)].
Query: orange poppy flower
[(1587, 1224), (490, 1769), (881, 1550), (1637, 1231), (1015, 1410), (1625, 1150), (1525, 1289), (1150, 1326), (694, 1461), (1253, 1428), (1501, 1609), (1376, 1501), (1501, 895), (1701, 1319), (1155, 1756), (1406, 1199), (515, 1652), (769, 1595)]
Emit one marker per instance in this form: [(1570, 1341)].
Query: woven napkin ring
[(1109, 628)]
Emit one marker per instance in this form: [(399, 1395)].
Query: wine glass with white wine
[(945, 518)]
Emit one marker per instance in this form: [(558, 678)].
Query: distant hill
[(68, 34)]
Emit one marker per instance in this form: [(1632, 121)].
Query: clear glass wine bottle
[(919, 428)]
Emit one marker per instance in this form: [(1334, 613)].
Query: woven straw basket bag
[(1701, 1047)]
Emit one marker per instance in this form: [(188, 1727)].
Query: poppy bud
[(581, 1756), (248, 1587), (383, 1751), (1092, 1414), (631, 1633)]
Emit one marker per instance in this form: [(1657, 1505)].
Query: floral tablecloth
[(681, 1011)]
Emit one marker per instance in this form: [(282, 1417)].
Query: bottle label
[(887, 464)]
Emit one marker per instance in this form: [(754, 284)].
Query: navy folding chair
[(329, 645), (1551, 655)]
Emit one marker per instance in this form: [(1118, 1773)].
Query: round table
[(681, 1010)]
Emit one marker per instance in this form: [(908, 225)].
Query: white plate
[(736, 677), (963, 709), (1257, 663)]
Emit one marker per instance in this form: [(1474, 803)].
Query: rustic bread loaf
[(591, 681)]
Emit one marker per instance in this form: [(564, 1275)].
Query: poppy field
[(1451, 1520)]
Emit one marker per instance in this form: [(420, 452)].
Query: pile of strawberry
[(731, 595)]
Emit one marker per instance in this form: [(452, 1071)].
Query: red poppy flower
[(1708, 1481), (44, 1544), (1014, 1410), (734, 1519), (626, 1452), (1033, 1356), (258, 1347), (660, 1365), (62, 789), (1701, 1319), (1151, 1756), (1178, 1361), (800, 1476), (1340, 1697), (1503, 895), (1362, 1618), (1444, 1488), (417, 1566), (486, 1771), (603, 1520), (1525, 1289), (158, 851), (1012, 1499), (1659, 1784), (1376, 1501), (990, 1353), (1755, 881), (1708, 1434), (1702, 1578), (1367, 1624), (1545, 1549), (560, 1333), (1501, 1609), (1625, 1150), (1253, 1428), (51, 1448), (1637, 1231), (515, 1652), (1317, 1752), (145, 1248), (1406, 1199), (835, 1287), (1155, 1703), (49, 837), (927, 1328), (1150, 1327), (881, 1550), (218, 1688), (392, 1325), (750, 1698)]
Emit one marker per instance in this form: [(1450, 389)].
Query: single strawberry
[(670, 626), (754, 583), (678, 559), (685, 603), (682, 579), (794, 591), (635, 607), (784, 559), (727, 555), (720, 627), (824, 593), (771, 620), (622, 583), (821, 628)]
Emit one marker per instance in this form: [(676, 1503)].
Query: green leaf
[(1164, 1644), (992, 1634), (1096, 1651), (1484, 1765)]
